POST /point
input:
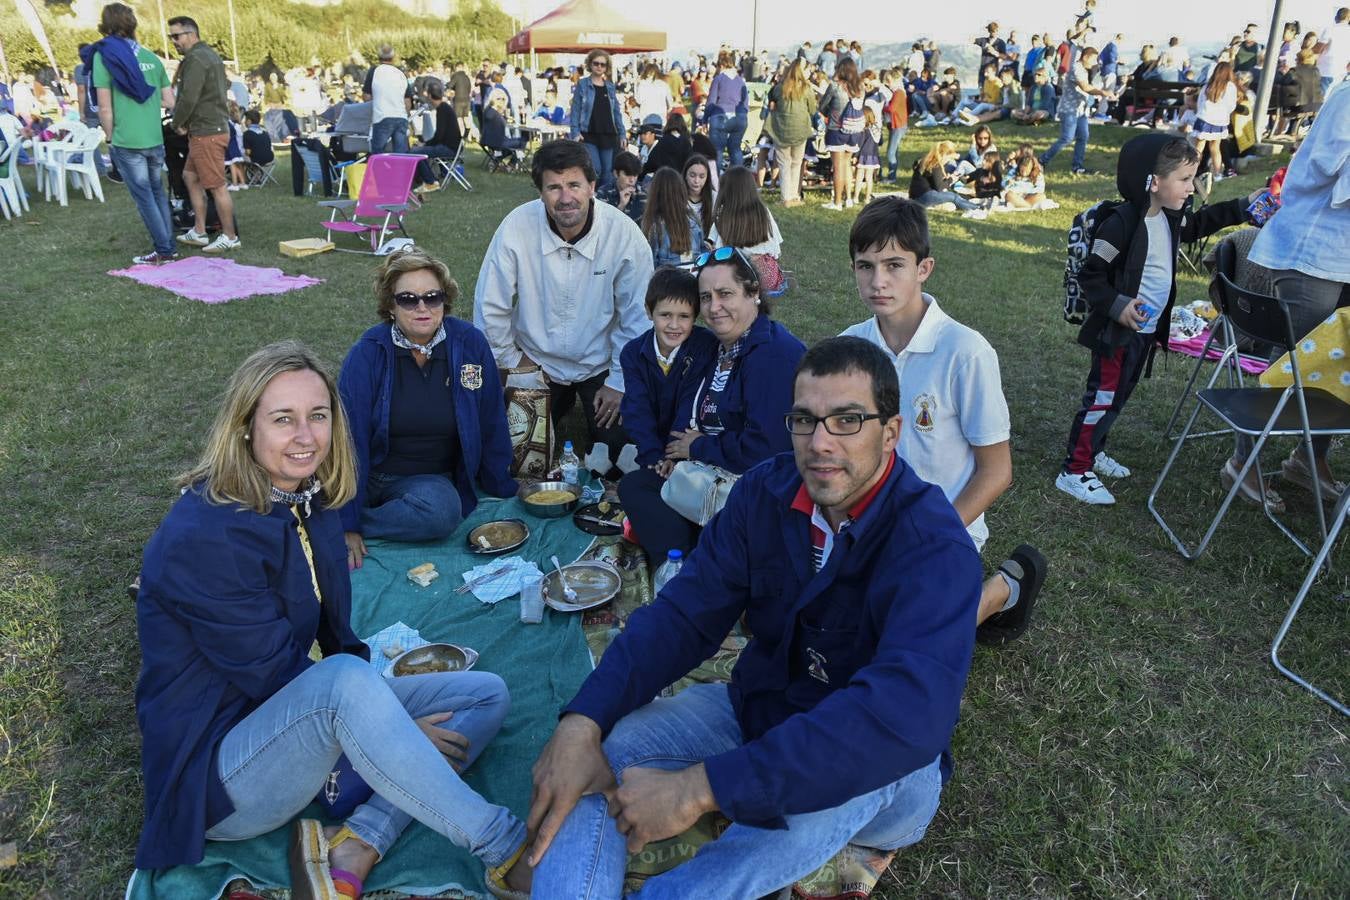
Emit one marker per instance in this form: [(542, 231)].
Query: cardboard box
[(305, 246)]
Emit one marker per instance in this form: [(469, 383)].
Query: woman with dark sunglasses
[(596, 117), (735, 419), (425, 403)]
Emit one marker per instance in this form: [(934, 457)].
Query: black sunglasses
[(409, 300)]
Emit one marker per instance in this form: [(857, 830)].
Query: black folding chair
[(1314, 571), (1225, 263), (1260, 412)]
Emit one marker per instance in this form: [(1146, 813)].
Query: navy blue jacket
[(226, 616), (652, 398), (119, 57), (757, 397), (480, 413), (892, 614)]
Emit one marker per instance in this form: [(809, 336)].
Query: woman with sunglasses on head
[(597, 120), (426, 409), (253, 684), (735, 420)]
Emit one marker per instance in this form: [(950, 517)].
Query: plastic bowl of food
[(434, 658), (550, 499)]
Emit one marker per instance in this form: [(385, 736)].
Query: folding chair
[(385, 191), (453, 169), (1338, 519), (313, 169), (1260, 412), (1225, 263), (259, 174)]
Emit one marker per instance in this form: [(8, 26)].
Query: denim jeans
[(142, 171), (936, 198), (602, 160), (1074, 128), (919, 99), (587, 857), (410, 507), (277, 759), (726, 133), (387, 130), (892, 151)]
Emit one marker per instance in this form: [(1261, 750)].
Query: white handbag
[(697, 490)]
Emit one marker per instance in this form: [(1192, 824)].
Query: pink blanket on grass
[(216, 280), (1196, 345)]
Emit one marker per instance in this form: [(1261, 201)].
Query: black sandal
[(1027, 567)]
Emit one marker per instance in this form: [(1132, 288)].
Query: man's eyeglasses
[(838, 424), (409, 300), (175, 35)]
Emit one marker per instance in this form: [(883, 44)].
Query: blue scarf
[(119, 58)]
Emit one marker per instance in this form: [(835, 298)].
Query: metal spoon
[(562, 579)]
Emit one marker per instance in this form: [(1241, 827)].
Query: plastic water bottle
[(569, 463), (668, 570)]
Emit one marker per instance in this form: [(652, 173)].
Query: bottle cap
[(567, 446), (674, 555)]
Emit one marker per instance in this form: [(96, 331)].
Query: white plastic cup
[(532, 600)]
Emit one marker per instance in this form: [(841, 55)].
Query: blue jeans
[(935, 198), (602, 160), (387, 130), (410, 507), (276, 760), (587, 857), (892, 149), (141, 170), (726, 133), (920, 103), (1071, 128)]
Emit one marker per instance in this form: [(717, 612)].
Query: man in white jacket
[(562, 287)]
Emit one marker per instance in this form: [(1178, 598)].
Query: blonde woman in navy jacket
[(252, 681), (425, 402)]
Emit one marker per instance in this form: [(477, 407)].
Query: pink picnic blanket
[(1196, 345), (215, 280)]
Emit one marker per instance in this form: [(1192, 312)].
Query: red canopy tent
[(579, 26)]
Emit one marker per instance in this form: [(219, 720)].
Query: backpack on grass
[(1082, 233)]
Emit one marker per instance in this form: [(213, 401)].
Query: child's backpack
[(1081, 235)]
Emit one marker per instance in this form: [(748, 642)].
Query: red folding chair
[(386, 194)]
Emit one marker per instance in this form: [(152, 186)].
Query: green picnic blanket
[(543, 665)]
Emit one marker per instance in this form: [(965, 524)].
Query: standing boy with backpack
[(1127, 284)]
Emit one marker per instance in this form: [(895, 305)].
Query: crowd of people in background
[(653, 211)]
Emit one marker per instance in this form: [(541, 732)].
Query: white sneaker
[(850, 203), (830, 205), (193, 238), (1086, 487), (221, 244), (1105, 465), (975, 214)]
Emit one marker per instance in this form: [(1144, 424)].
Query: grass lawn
[(1136, 742)]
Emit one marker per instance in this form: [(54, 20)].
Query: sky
[(703, 24)]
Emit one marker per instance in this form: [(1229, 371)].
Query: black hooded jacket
[(1110, 277)]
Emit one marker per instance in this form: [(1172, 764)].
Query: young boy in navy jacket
[(1129, 281), (663, 366)]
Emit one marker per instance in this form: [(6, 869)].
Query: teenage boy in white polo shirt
[(954, 429)]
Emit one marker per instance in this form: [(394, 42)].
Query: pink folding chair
[(386, 191)]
